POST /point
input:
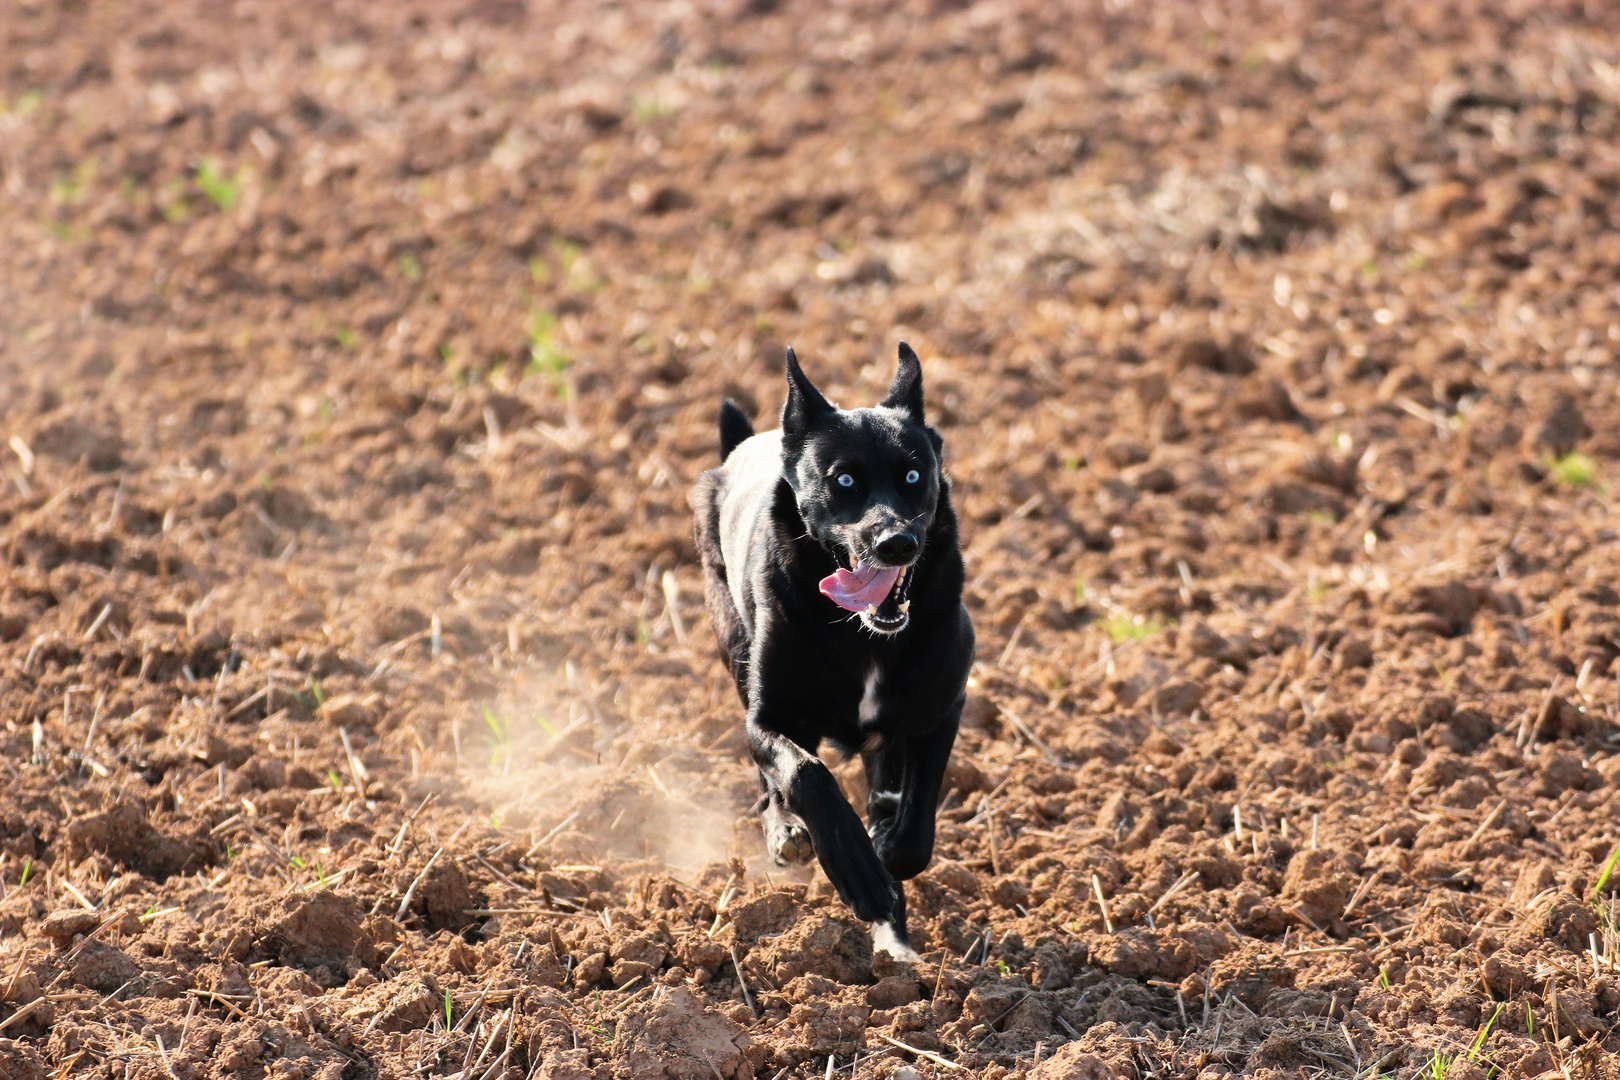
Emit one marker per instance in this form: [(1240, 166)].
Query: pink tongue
[(857, 589)]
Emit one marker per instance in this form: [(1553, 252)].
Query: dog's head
[(867, 483)]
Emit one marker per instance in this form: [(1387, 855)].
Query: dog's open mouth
[(878, 593)]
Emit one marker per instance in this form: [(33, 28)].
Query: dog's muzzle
[(892, 615)]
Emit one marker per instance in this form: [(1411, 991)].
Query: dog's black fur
[(772, 521)]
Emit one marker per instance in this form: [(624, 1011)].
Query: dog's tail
[(734, 427)]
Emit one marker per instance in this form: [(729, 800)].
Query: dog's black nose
[(897, 547)]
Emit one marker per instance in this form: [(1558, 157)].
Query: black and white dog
[(834, 584)]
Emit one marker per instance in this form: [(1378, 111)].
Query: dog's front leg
[(905, 775), (842, 846)]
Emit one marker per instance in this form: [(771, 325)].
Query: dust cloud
[(588, 790)]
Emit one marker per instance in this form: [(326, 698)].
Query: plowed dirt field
[(360, 715)]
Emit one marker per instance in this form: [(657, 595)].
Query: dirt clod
[(322, 928), (1318, 883), (673, 1035)]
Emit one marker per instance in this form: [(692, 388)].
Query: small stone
[(1562, 427), (892, 992), (1268, 400), (1561, 771), (63, 926), (1122, 452), (351, 710), (1353, 652), (1198, 638), (1178, 697), (1155, 479)]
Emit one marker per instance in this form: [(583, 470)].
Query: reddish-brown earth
[(360, 715)]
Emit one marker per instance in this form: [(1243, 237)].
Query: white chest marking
[(868, 711)]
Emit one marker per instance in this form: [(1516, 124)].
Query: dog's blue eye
[(913, 476), (845, 480)]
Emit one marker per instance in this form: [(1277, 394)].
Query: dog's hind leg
[(729, 632), (786, 837)]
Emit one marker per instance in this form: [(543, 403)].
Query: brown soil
[(360, 714)]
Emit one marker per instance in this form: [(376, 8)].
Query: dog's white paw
[(886, 940)]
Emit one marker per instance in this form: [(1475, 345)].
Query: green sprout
[(1484, 1033), (448, 1004), (575, 266), (173, 202), (28, 868), (599, 1028), (334, 779), (1437, 1067), (410, 266), (1575, 469), (345, 336), (647, 109), (298, 862), (67, 188), (221, 190), (501, 728), (320, 694), (1383, 978), (1529, 1021), (1608, 871), (568, 254), (1123, 627), (545, 356), (1002, 966)]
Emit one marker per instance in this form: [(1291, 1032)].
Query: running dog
[(833, 580)]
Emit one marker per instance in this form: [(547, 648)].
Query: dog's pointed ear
[(804, 405), (906, 392)]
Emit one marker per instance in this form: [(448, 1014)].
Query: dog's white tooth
[(905, 606), (871, 609)]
